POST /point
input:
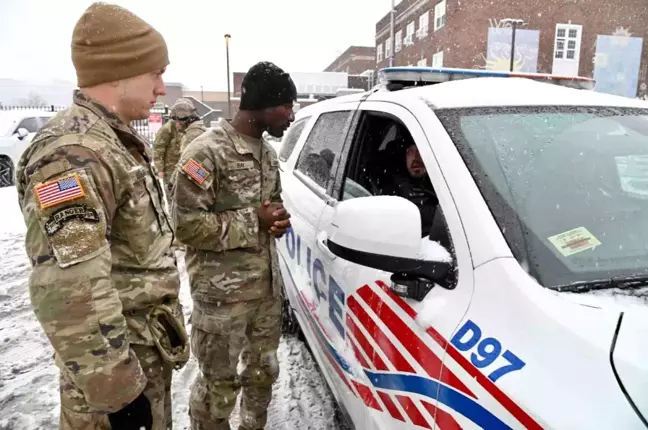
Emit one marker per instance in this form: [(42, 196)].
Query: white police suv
[(524, 303)]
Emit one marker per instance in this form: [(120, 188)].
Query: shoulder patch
[(60, 190), (196, 171), (61, 216)]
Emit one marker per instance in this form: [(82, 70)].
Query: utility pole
[(391, 33), (202, 94), (229, 93)]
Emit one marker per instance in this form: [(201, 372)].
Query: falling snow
[(29, 379)]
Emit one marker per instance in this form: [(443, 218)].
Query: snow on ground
[(29, 379)]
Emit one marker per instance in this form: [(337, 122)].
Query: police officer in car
[(412, 182)]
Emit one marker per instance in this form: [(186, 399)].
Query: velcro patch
[(59, 191), (241, 165), (138, 173), (196, 171), (81, 212)]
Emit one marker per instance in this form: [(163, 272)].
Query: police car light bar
[(402, 77)]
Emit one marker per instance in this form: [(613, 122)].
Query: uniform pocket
[(138, 224), (243, 183)]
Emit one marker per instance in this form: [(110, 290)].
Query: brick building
[(354, 61), (593, 38)]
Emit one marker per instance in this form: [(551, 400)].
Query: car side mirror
[(22, 133), (384, 233)]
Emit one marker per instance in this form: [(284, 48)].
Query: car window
[(320, 156), (290, 139), (567, 186), (31, 124), (377, 165), (42, 121)]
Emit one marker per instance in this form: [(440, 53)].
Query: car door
[(400, 343), (306, 194)]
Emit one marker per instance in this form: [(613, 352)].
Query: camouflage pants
[(219, 336), (77, 415)]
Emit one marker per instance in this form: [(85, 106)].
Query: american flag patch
[(196, 171), (58, 191)]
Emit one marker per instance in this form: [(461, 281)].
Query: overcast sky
[(298, 35)]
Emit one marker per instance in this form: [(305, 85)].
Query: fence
[(140, 125)]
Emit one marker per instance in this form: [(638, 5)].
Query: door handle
[(321, 244)]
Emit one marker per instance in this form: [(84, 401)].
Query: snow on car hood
[(630, 347), (612, 299)]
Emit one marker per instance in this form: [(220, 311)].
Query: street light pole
[(391, 35), (513, 45), (514, 23), (229, 96)]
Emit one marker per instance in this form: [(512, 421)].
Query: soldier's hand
[(279, 227), (269, 213), (134, 416), (282, 222)]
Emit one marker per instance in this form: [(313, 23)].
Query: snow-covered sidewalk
[(29, 380)]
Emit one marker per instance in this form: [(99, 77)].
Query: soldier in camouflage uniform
[(196, 128), (166, 146), (227, 209), (105, 283)]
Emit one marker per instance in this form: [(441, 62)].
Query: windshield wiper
[(622, 282)]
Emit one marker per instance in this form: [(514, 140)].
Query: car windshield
[(568, 186)]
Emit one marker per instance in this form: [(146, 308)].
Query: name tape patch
[(196, 171), (57, 220), (241, 165), (60, 190)]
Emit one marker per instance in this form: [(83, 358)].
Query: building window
[(437, 59), (379, 53), (409, 39), (399, 41), (439, 15), (567, 42), (422, 62), (388, 46), (424, 21)]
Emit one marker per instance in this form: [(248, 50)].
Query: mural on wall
[(498, 51), (617, 63)]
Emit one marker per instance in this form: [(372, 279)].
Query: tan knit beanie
[(110, 43)]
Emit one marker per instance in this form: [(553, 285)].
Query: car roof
[(506, 91), (486, 92)]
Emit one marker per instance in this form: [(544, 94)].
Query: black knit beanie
[(265, 86)]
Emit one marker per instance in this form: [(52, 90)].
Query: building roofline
[(347, 51)]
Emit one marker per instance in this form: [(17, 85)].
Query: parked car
[(17, 129), (525, 305)]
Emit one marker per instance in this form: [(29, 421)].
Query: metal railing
[(140, 125)]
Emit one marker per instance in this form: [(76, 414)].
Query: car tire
[(289, 323), (6, 172)]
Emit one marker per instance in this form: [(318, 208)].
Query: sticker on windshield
[(574, 241)]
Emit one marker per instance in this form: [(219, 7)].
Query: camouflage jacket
[(194, 130), (99, 242), (219, 186), (166, 148)]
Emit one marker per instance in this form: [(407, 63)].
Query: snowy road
[(29, 379)]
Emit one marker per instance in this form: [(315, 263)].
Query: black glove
[(134, 416)]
